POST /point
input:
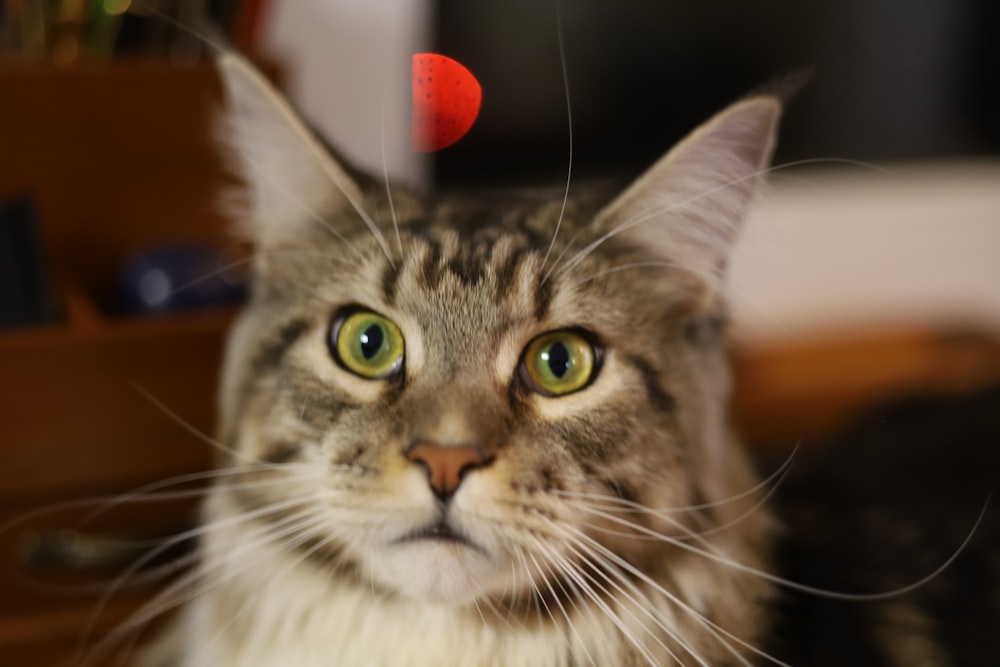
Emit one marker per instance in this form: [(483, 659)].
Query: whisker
[(626, 267), (709, 553), (635, 597), (303, 530), (562, 608), (290, 198), (142, 495), (597, 549), (659, 211), (773, 480), (385, 178), (569, 123), (168, 543), (689, 535), (145, 494), (163, 602), (108, 643), (186, 425), (183, 563), (535, 593), (306, 142), (582, 578), (372, 227), (218, 270), (700, 618), (139, 579), (830, 160)]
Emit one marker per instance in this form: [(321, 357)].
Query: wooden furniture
[(787, 394), (119, 158)]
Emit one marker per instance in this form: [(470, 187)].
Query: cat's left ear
[(688, 207), (290, 176)]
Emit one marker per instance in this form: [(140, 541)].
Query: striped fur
[(600, 532)]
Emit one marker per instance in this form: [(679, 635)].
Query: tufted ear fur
[(688, 207), (291, 178)]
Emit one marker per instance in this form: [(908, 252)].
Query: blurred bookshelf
[(72, 32), (115, 158)]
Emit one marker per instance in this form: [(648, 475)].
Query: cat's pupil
[(371, 341), (558, 359)]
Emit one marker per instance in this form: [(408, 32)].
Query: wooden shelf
[(119, 159), (792, 394)]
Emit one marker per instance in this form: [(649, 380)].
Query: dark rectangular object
[(26, 295)]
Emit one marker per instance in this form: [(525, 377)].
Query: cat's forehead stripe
[(473, 262), (429, 274)]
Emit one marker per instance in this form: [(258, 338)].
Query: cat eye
[(367, 344), (558, 363)]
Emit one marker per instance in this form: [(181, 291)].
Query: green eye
[(367, 344), (559, 363)]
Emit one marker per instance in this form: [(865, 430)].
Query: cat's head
[(453, 398)]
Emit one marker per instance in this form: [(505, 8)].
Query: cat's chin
[(442, 570)]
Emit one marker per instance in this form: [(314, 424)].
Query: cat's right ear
[(688, 207), (291, 179)]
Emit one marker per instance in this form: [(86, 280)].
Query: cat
[(480, 429), (490, 429)]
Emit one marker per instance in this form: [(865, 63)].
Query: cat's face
[(462, 405)]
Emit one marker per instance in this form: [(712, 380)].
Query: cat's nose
[(446, 466)]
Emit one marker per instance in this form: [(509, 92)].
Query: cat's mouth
[(440, 532)]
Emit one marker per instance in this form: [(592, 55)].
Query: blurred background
[(869, 269), (906, 91)]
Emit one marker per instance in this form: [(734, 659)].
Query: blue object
[(182, 276)]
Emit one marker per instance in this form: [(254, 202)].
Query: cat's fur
[(617, 525)]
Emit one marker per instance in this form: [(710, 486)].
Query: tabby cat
[(481, 429)]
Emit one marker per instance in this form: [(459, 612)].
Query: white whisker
[(772, 480), (291, 545), (701, 619), (218, 270), (172, 541), (569, 123), (562, 608), (242, 554), (290, 198), (146, 494), (186, 425), (695, 614), (385, 178), (586, 582), (651, 214), (636, 597), (710, 553)]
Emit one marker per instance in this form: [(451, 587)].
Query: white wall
[(860, 248), (348, 64)]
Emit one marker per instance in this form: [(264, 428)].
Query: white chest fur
[(274, 615)]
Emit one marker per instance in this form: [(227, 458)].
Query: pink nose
[(446, 466)]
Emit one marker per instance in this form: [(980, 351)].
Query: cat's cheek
[(263, 436)]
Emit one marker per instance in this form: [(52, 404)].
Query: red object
[(446, 101)]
